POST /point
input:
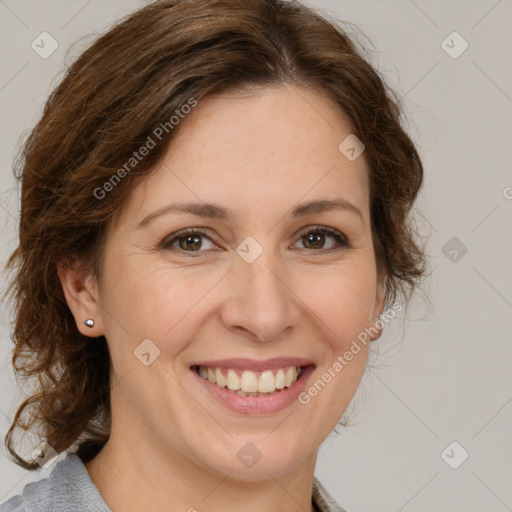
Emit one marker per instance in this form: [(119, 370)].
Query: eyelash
[(340, 238)]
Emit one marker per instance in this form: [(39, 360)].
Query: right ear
[(81, 292)]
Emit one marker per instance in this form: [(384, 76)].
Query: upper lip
[(254, 364)]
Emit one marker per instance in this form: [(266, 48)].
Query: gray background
[(444, 374)]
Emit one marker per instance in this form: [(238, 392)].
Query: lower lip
[(257, 404)]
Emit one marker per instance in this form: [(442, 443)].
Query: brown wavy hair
[(130, 80)]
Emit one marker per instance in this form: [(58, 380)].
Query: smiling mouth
[(251, 383)]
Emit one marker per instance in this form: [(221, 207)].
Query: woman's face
[(254, 287)]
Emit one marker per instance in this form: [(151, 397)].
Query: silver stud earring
[(89, 322)]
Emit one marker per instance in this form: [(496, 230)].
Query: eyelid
[(320, 227)]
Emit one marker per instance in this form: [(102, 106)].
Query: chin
[(257, 460)]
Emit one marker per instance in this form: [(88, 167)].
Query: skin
[(172, 447)]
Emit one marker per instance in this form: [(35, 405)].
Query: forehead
[(265, 150)]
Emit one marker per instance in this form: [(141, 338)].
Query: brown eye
[(315, 239), (189, 240)]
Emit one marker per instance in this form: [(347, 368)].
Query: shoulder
[(68, 488), (322, 500)]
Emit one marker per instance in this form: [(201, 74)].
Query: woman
[(214, 222)]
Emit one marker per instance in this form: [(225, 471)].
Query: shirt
[(69, 488)]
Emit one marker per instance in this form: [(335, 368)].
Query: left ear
[(380, 300)]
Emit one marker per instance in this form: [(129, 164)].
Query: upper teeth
[(248, 381)]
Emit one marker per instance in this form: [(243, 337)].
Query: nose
[(261, 303)]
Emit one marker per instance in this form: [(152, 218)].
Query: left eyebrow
[(325, 205), (214, 211)]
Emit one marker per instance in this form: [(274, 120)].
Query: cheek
[(343, 298), (147, 299), (152, 300)]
